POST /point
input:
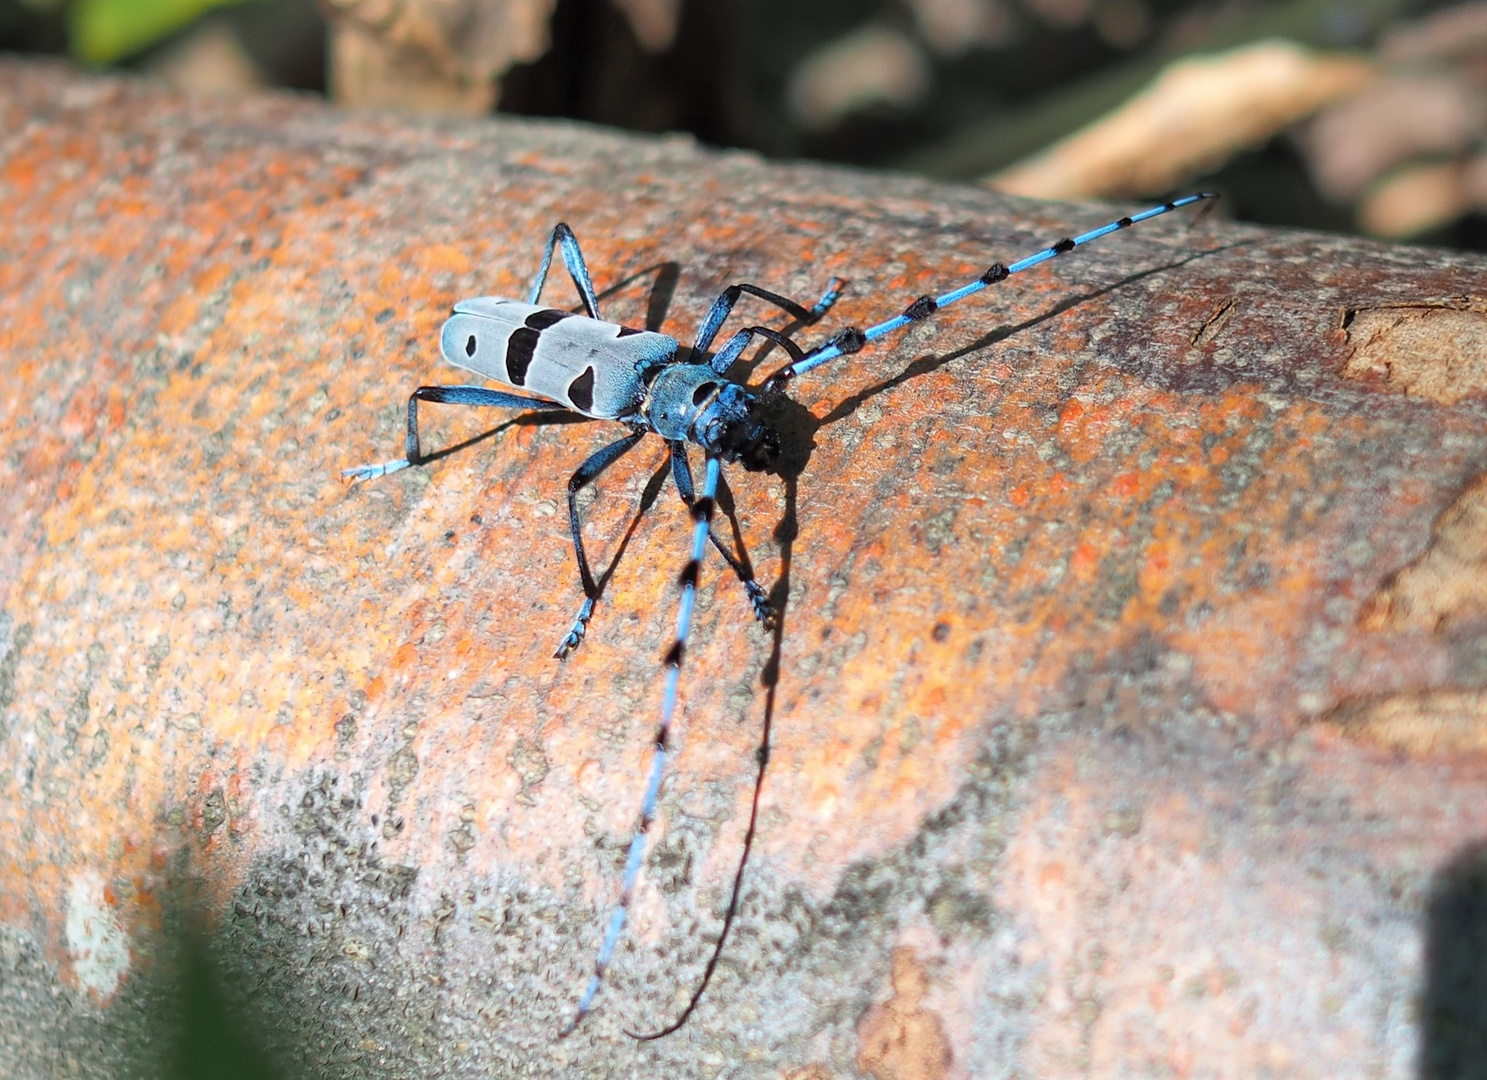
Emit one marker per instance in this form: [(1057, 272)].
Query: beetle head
[(734, 428)]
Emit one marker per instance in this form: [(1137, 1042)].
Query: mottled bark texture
[(1127, 709)]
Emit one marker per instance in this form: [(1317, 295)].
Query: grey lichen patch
[(359, 966), (937, 532), (955, 909), (316, 926), (213, 811), (13, 641), (98, 754), (1435, 351), (356, 970), (402, 767), (528, 762), (1123, 820), (461, 838)]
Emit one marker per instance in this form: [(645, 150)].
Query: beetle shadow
[(648, 496), (540, 418), (663, 289), (798, 427)]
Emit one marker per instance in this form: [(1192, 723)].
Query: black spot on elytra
[(541, 320), (519, 352), (581, 391)]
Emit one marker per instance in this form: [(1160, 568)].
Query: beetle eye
[(470, 346), (702, 392)]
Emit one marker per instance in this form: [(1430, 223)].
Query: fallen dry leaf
[(441, 56), (1197, 113)]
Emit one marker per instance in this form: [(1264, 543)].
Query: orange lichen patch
[(443, 258), (1433, 722), (1447, 584), (1436, 351), (130, 688), (900, 1039)]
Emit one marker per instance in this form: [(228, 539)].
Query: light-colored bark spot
[(1447, 584), (96, 942), (899, 1040), (1435, 722), (1431, 351)]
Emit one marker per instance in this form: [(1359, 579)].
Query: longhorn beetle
[(648, 382)]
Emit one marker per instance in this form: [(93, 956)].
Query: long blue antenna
[(853, 339)]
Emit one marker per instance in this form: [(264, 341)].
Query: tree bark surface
[(1127, 716)]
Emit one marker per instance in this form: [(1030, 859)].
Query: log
[(1128, 709)]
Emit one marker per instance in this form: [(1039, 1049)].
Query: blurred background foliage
[(1349, 115)]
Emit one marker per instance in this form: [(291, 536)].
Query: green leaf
[(104, 31)]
